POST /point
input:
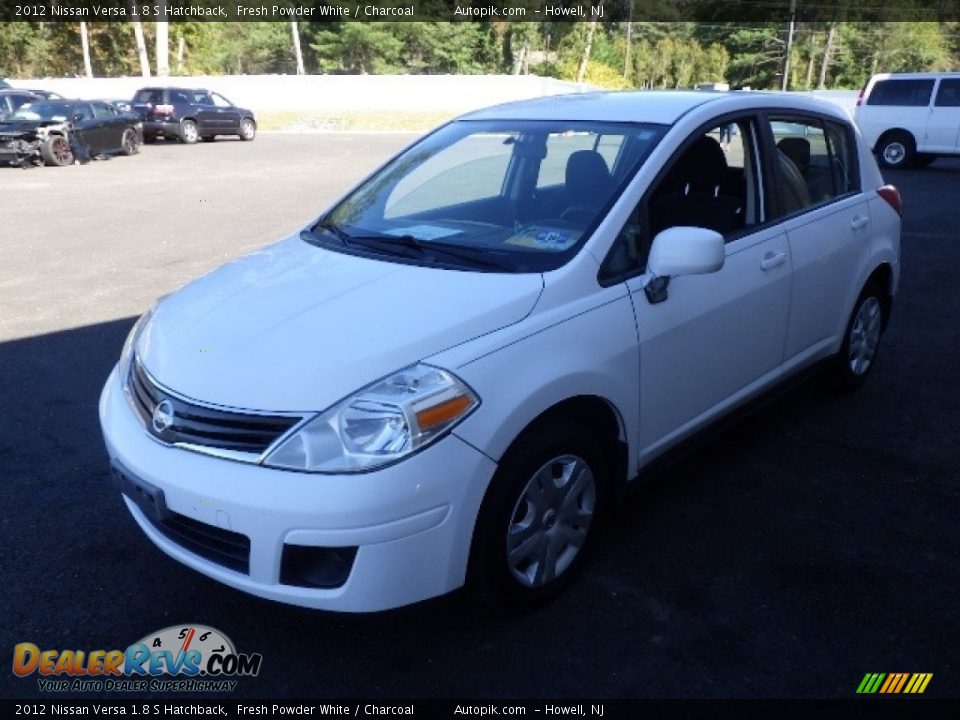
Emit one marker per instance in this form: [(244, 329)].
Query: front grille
[(192, 424)]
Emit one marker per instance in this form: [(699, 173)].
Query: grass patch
[(308, 121)]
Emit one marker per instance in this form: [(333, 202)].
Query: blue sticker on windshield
[(543, 238)]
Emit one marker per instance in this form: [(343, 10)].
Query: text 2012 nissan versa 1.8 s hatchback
[(447, 378)]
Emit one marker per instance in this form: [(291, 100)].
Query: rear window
[(903, 93), (154, 95)]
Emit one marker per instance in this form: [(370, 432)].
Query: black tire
[(248, 129), (922, 160), (208, 138), (56, 151), (549, 533), (130, 142), (896, 150), (188, 132), (861, 339)]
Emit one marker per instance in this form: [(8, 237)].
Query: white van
[(910, 118)]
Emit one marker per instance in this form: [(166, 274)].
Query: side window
[(949, 93), (179, 96), (220, 101), (815, 162), (713, 182), (902, 93), (202, 98), (82, 112), (101, 110)]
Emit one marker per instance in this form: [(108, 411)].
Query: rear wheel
[(895, 150), (248, 130), (130, 143), (861, 342), (539, 516), (56, 151), (188, 132)]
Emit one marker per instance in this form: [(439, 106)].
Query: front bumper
[(411, 523)]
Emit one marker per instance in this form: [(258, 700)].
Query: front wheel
[(895, 150), (248, 130), (539, 517), (861, 341), (56, 151), (129, 143)]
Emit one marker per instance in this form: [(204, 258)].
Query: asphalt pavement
[(810, 544)]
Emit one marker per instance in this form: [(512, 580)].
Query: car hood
[(294, 327), (24, 127)]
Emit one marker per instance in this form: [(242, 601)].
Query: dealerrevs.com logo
[(184, 658)]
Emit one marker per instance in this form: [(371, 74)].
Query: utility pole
[(785, 80)]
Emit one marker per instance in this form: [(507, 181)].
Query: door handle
[(772, 260), (859, 222)]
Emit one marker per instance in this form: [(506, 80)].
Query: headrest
[(798, 150), (703, 165), (587, 175)]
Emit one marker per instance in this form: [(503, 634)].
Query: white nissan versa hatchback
[(448, 377)]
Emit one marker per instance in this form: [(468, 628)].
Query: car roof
[(172, 87), (915, 75), (648, 106)]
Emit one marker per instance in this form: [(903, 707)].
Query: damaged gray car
[(61, 132)]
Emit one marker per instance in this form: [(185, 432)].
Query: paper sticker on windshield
[(423, 232), (544, 238)]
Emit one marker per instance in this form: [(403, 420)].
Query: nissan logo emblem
[(162, 416)]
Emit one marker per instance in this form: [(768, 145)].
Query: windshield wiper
[(471, 255), (393, 244), (331, 228)]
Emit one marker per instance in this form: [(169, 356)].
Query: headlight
[(378, 425), (131, 342)]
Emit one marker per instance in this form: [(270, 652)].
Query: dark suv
[(190, 114)]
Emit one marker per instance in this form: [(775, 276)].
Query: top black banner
[(712, 11)]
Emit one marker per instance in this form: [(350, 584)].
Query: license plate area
[(149, 498)]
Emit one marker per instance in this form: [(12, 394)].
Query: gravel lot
[(812, 543)]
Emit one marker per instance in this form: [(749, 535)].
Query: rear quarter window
[(149, 96), (901, 93)]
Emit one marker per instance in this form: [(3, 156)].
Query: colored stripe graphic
[(894, 683)]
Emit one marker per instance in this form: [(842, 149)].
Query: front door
[(715, 338)]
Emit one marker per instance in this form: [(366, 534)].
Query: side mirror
[(78, 117), (682, 251)]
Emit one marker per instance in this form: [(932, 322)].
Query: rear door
[(943, 129), (827, 223)]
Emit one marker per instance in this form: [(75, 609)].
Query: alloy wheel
[(865, 335)]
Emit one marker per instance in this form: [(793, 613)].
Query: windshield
[(44, 110), (517, 196)]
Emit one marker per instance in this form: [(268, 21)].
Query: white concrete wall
[(332, 93)]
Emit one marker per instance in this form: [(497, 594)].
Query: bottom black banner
[(456, 709)]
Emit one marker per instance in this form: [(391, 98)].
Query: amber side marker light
[(443, 413)]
